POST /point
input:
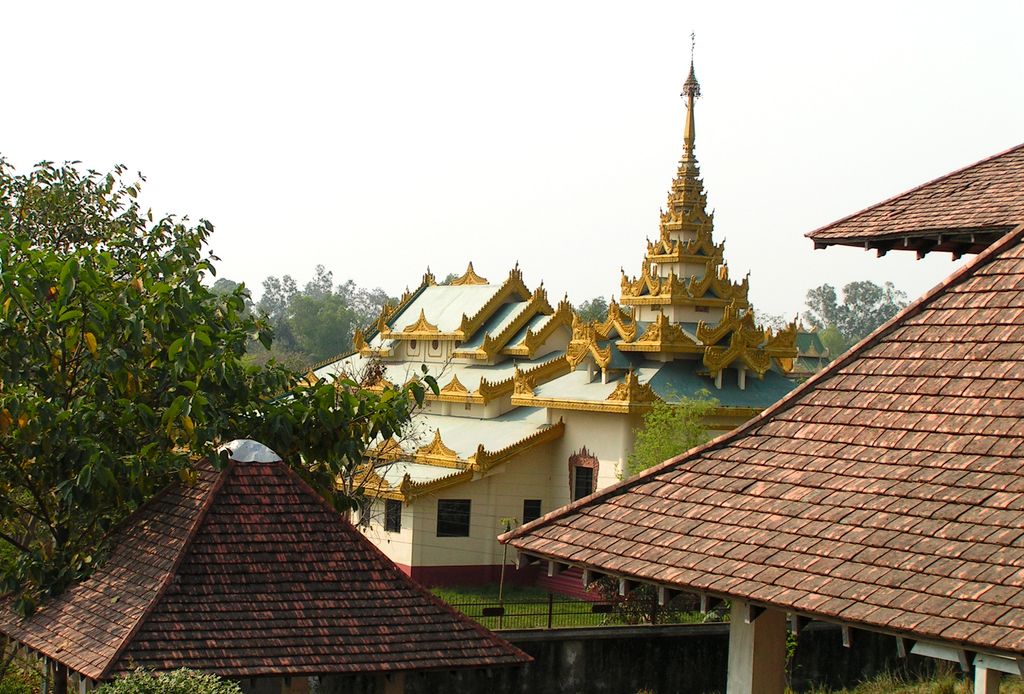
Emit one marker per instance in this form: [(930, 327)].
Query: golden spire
[(691, 91)]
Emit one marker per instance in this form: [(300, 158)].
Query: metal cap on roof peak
[(249, 451)]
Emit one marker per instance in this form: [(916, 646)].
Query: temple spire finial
[(691, 91)]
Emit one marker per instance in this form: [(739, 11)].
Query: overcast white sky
[(379, 138)]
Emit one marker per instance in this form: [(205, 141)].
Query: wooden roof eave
[(958, 242)]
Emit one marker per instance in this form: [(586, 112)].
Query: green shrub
[(20, 678), (182, 681)]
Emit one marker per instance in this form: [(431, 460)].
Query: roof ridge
[(811, 234), (168, 577), (787, 400)]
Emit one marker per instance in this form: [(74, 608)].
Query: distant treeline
[(315, 322)]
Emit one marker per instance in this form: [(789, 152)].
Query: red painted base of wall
[(470, 575)]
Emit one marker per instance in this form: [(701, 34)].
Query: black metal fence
[(555, 611)]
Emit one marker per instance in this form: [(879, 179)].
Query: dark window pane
[(392, 515), (453, 517), (531, 510), (582, 482), (365, 512)]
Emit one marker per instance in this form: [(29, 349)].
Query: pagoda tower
[(684, 275), (684, 283)]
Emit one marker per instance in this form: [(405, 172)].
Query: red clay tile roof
[(969, 209), (249, 573), (886, 492)]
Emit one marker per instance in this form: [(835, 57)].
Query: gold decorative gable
[(651, 289), (512, 287), (436, 453), (484, 459), (584, 343), (735, 319), (533, 341), (538, 305), (421, 328), (469, 278), (781, 346), (663, 336), (695, 250), (618, 320), (716, 280), (522, 384), (631, 390), (540, 373), (739, 349), (455, 387)]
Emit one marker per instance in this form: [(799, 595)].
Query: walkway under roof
[(961, 212)]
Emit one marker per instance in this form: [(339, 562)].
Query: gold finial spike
[(691, 91)]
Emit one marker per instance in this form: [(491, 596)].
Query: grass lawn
[(528, 608), (525, 607), (942, 684)]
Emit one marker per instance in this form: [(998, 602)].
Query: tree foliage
[(864, 306), (319, 321), (593, 309), (668, 430), (183, 681), (119, 369)]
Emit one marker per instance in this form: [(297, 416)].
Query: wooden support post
[(757, 650), (986, 681)]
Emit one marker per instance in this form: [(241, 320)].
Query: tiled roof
[(961, 212), (886, 492), (250, 573)]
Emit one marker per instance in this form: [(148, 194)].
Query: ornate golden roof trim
[(663, 336), (455, 387), (469, 278), (609, 406), (538, 304), (485, 459), (618, 320), (410, 490), (436, 453), (533, 341), (735, 318), (781, 347), (421, 327), (739, 349), (632, 391), (584, 344), (512, 286), (541, 373)]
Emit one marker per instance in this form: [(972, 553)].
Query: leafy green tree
[(119, 368), (320, 320), (833, 340), (183, 681), (668, 430), (593, 309), (864, 306), (274, 305), (322, 325)]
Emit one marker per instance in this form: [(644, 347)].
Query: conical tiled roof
[(250, 573)]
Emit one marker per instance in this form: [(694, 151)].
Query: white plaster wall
[(397, 546), (497, 494), (609, 437)]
